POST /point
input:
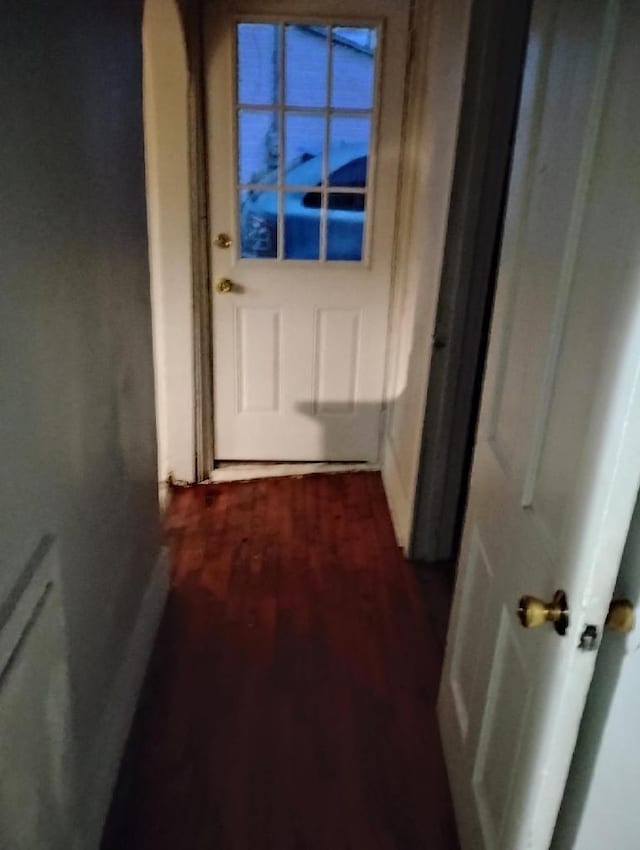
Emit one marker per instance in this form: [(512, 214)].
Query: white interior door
[(557, 461), (305, 113)]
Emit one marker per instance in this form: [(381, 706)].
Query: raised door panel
[(539, 275), (336, 356), (504, 721), (471, 630), (36, 745), (258, 343)]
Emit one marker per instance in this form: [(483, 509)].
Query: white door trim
[(436, 75), (495, 59), (166, 139)]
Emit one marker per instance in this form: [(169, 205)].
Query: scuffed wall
[(77, 429)]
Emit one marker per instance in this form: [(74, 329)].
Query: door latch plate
[(589, 638)]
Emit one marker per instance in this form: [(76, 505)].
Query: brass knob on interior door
[(621, 616), (224, 285), (533, 612)]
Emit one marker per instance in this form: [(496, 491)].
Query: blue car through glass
[(302, 209)]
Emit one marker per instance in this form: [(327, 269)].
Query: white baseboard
[(400, 505), (251, 471), (120, 709), (164, 496)]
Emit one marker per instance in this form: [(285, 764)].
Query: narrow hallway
[(291, 698)]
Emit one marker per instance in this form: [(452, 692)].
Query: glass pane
[(349, 151), (258, 47), (304, 143), (353, 67), (258, 224), (257, 146), (345, 226), (302, 212), (352, 175), (306, 58)]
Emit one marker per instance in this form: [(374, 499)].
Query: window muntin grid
[(299, 139)]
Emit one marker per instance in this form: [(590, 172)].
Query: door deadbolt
[(224, 285), (223, 240)]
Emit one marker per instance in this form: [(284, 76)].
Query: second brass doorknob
[(621, 616)]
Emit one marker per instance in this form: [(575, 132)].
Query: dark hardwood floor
[(290, 703)]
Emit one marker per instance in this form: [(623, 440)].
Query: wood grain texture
[(291, 698)]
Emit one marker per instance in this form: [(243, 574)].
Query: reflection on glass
[(348, 151), (345, 226), (302, 212), (306, 58), (258, 224), (257, 146), (353, 67), (304, 142), (258, 47), (352, 174)]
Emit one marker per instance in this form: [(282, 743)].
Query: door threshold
[(250, 471)]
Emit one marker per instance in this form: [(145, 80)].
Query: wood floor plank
[(290, 702)]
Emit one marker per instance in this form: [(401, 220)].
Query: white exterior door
[(305, 114), (557, 461)]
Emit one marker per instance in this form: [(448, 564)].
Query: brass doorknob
[(223, 240), (621, 616), (224, 285), (533, 612)]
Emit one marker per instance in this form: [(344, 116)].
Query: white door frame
[(278, 9), (436, 63), (166, 137), (495, 61), (440, 34), (202, 306)]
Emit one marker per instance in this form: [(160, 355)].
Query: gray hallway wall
[(77, 431)]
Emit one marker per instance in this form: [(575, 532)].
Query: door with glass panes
[(304, 121)]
